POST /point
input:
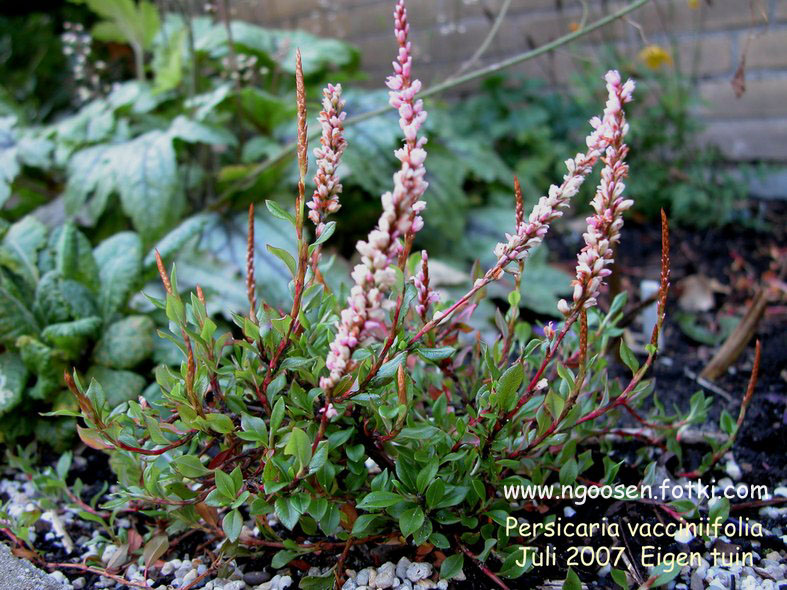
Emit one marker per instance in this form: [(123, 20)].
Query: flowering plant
[(378, 415)]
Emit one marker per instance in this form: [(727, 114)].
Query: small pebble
[(419, 571)]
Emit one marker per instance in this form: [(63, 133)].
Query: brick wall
[(711, 38)]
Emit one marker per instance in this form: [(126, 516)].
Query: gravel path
[(17, 574)]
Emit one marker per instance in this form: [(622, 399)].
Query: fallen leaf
[(696, 293)]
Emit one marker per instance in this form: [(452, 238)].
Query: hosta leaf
[(119, 386), (125, 343), (119, 260), (13, 376)]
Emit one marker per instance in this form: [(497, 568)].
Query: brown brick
[(749, 140), (713, 54), (768, 49), (676, 16), (763, 98)]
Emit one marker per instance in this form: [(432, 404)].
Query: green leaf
[(119, 260), (168, 62), (326, 233), (662, 575), (120, 386), (126, 343), (727, 423), (300, 446), (147, 181), (192, 131), (231, 524), (13, 377), (568, 472), (619, 577), (282, 558), (225, 484), (286, 512), (718, 510), (436, 354), (74, 257), (175, 240), (285, 257), (572, 581), (387, 370), (221, 423), (411, 520), (278, 212), (452, 566), (190, 466), (628, 357), (380, 499), (20, 246), (70, 337), (507, 386), (15, 318), (126, 21)]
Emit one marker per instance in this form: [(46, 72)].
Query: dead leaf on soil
[(697, 292)]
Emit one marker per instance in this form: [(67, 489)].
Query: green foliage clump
[(63, 305)]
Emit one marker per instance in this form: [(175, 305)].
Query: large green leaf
[(119, 260), (15, 318), (168, 62), (126, 343), (119, 386), (71, 337), (9, 165), (126, 21), (147, 181), (192, 131), (175, 240), (91, 180), (20, 246), (13, 376), (74, 257)]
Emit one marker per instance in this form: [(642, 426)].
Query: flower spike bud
[(425, 294), (300, 100)]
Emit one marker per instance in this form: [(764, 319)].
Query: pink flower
[(401, 217), (531, 232), (603, 231), (332, 144)]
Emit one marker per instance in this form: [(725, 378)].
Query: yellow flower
[(655, 56), (694, 4)]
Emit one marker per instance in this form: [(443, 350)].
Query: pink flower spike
[(603, 228), (332, 144), (365, 314)]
